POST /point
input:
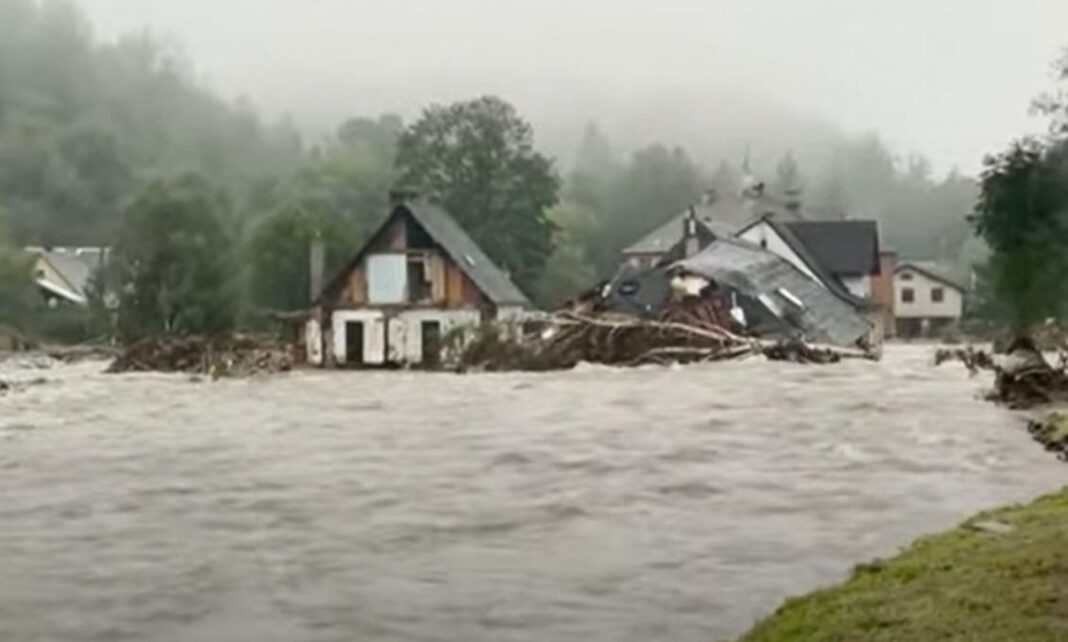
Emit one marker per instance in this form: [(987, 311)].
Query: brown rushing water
[(669, 504)]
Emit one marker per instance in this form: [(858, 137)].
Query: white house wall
[(765, 236), (406, 345), (405, 335), (374, 335), (313, 342), (922, 306)]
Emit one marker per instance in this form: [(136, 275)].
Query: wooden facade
[(448, 287), (419, 279)]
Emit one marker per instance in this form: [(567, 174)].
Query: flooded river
[(653, 504)]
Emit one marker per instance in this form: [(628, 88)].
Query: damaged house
[(64, 275), (418, 280), (746, 287), (717, 216)]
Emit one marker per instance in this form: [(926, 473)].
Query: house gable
[(403, 265), (767, 236), (778, 238), (923, 293)]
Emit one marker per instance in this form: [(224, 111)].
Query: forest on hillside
[(91, 131)]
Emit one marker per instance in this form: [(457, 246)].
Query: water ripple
[(600, 504)]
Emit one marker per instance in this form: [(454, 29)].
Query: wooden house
[(418, 279)]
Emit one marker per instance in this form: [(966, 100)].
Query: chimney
[(401, 196), (691, 244), (317, 266)]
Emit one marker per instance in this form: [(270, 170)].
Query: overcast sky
[(949, 78)]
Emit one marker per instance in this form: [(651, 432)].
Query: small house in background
[(929, 301), (419, 278), (738, 285), (64, 275), (717, 216), (652, 248)]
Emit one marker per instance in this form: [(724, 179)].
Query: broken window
[(938, 295), (908, 295), (420, 290)]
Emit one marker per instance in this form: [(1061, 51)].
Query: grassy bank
[(1000, 577)]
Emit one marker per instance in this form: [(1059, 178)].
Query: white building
[(418, 281), (928, 301)]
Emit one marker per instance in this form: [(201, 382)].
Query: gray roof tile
[(753, 271), (444, 229)]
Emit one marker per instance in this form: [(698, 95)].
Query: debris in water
[(228, 356), (1025, 378), (571, 338)]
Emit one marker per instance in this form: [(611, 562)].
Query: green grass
[(964, 585)]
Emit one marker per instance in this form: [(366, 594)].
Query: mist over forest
[(87, 123)]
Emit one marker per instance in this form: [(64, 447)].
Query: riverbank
[(1002, 575)]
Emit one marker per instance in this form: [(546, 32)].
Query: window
[(906, 276), (420, 290), (938, 295), (908, 295), (387, 276)]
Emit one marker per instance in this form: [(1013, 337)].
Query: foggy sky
[(948, 78)]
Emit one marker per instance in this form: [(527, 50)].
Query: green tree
[(279, 255), (1023, 216), (83, 125), (657, 184), (171, 263), (477, 159), (569, 271), (18, 293)]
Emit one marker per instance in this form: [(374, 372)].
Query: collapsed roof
[(72, 272), (817, 314)]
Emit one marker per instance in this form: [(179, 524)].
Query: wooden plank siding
[(450, 287)]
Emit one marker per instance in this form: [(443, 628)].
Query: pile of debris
[(236, 355), (569, 338), (1024, 377)]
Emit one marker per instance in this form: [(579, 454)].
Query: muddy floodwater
[(652, 504)]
